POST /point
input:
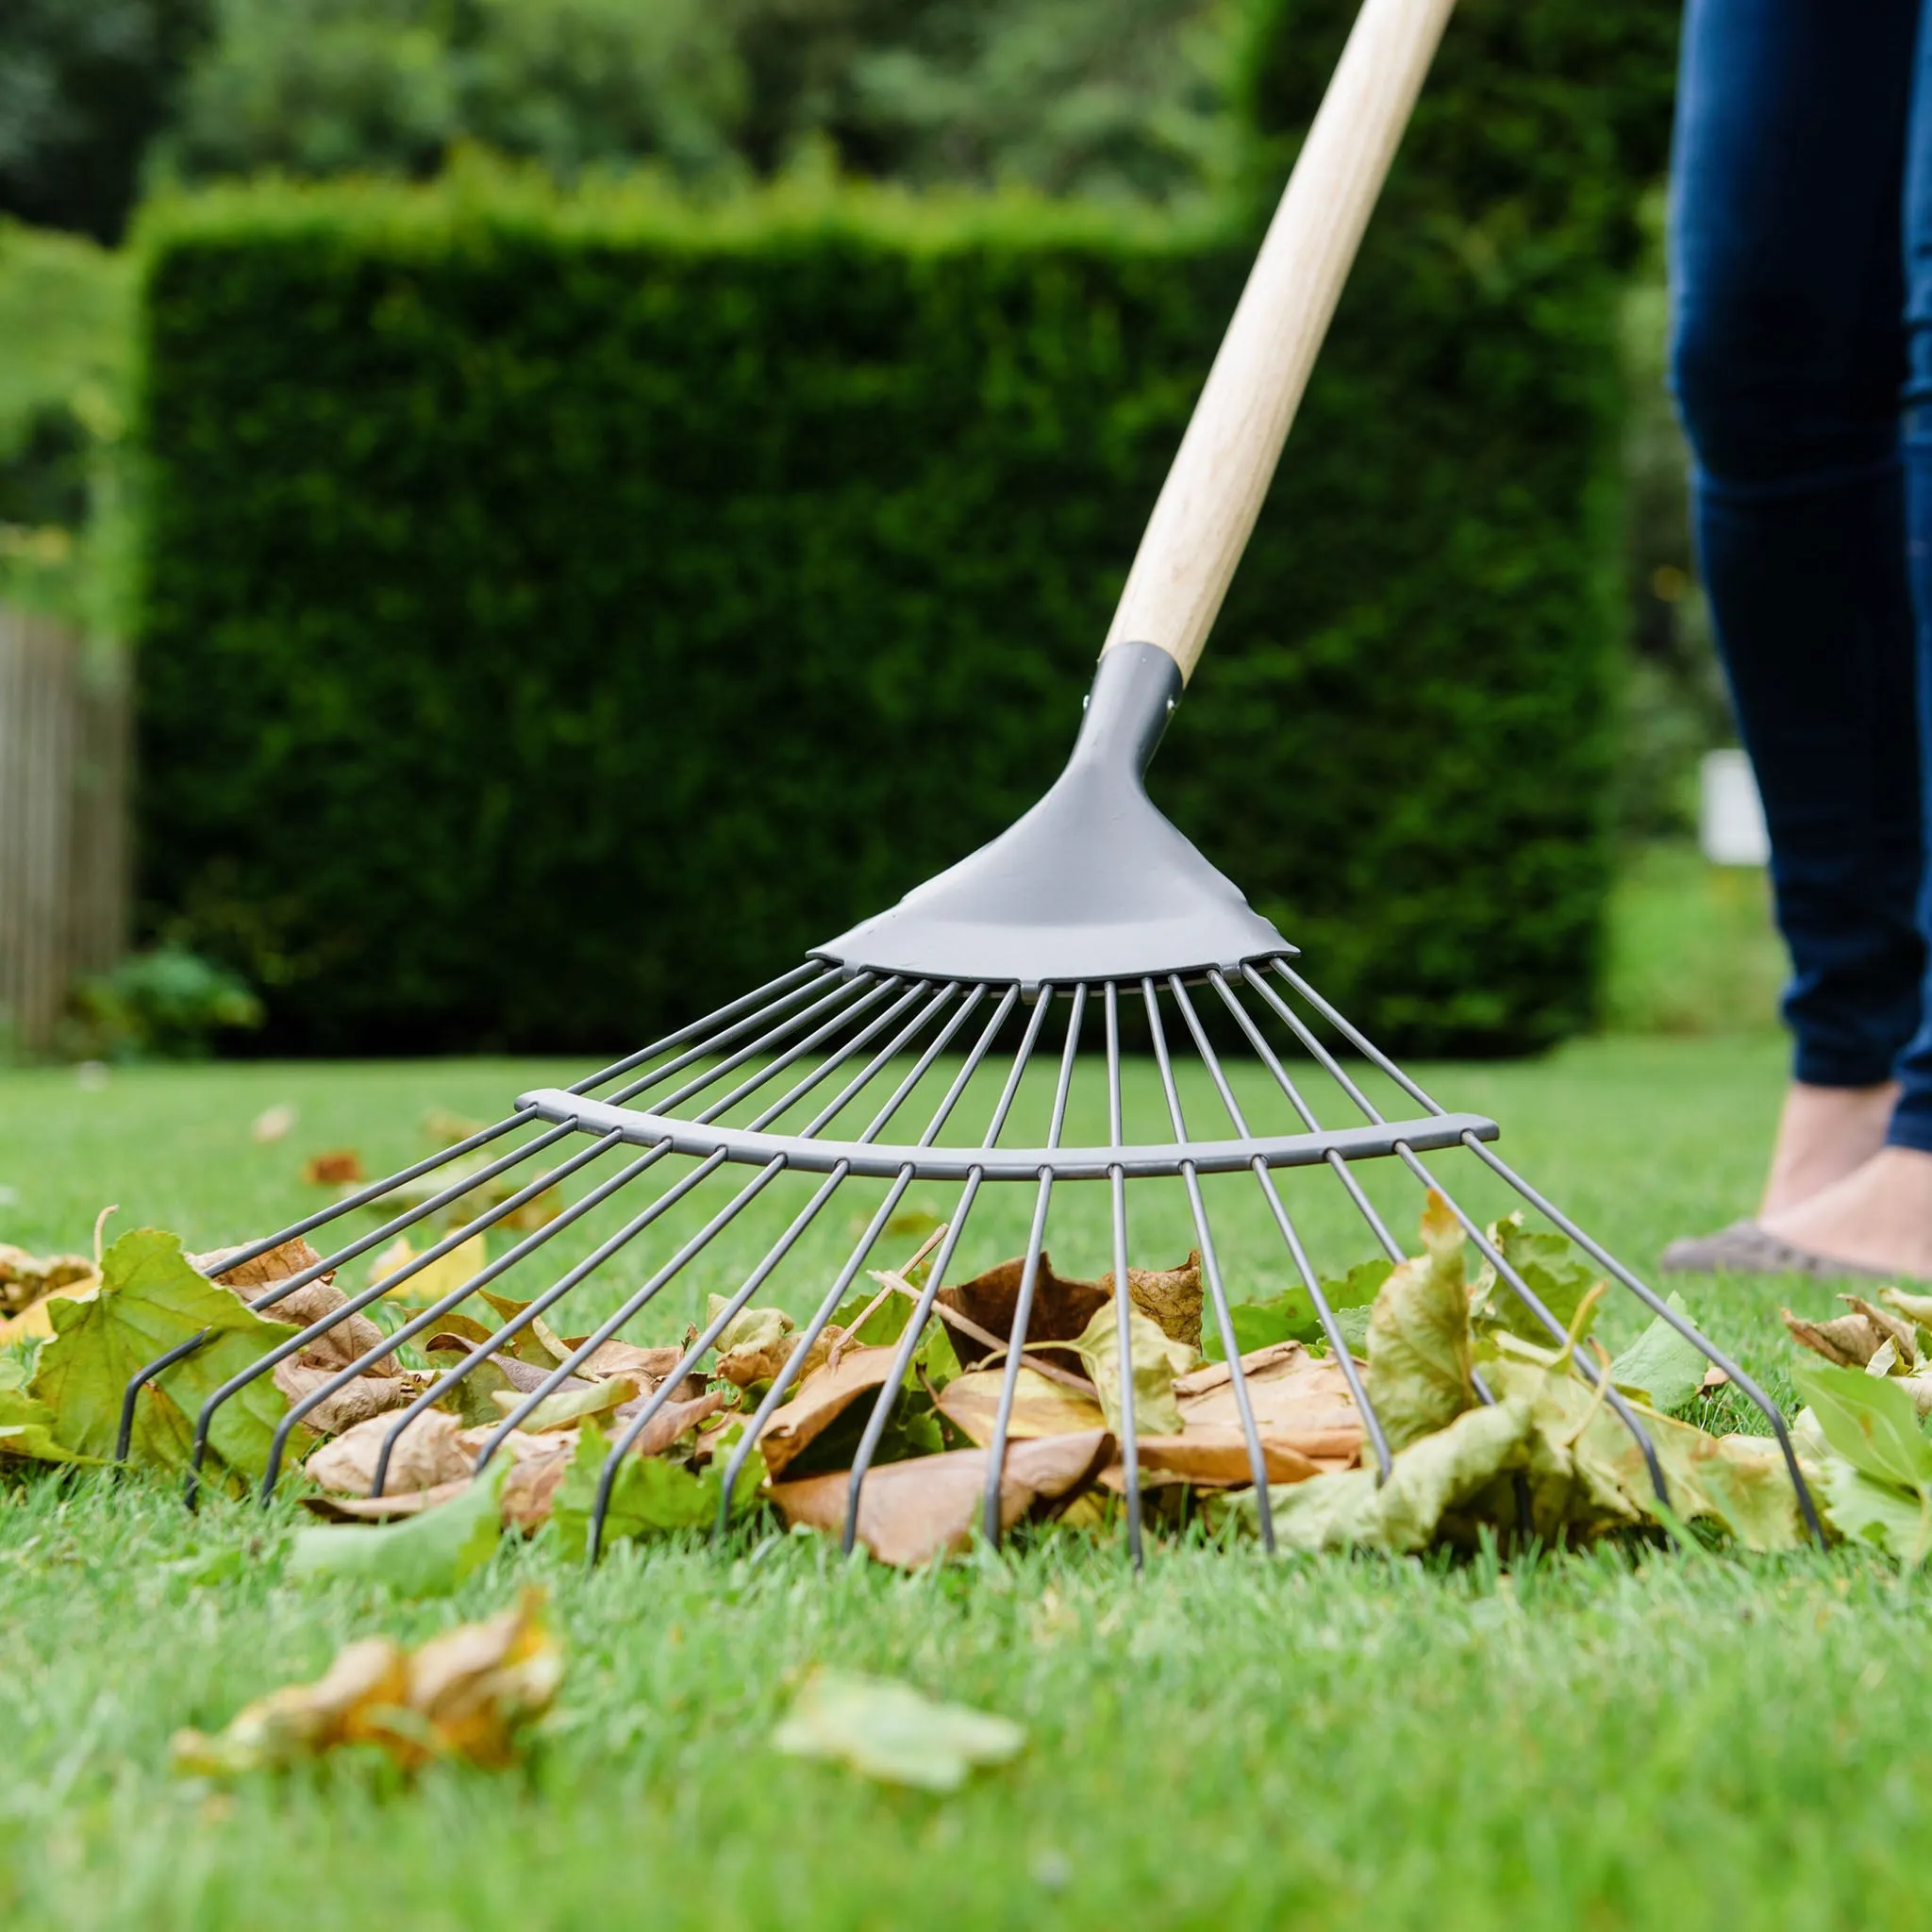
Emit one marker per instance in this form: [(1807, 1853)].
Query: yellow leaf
[(440, 1278)]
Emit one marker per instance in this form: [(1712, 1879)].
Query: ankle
[(1823, 1135)]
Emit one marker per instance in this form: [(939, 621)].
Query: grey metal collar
[(1093, 884)]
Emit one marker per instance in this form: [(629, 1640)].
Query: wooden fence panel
[(65, 847)]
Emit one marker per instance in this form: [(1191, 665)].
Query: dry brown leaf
[(910, 1513), (1041, 1408), (1214, 1455), (1062, 1308), (1300, 1403), (339, 1167), (1170, 1296), (820, 1353), (25, 1278), (354, 1402), (647, 1367), (529, 1491), (1276, 1359), (463, 1694), (1899, 1331), (753, 1346), (335, 1348), (822, 1398), (429, 1452), (1062, 1311), (387, 1508), (278, 1264), (1849, 1341), (303, 1720), (674, 1419)]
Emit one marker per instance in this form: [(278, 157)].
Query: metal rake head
[(835, 1081)]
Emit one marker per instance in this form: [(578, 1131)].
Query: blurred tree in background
[(1101, 97), (85, 84)]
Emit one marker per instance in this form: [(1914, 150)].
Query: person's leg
[(1787, 358), (1881, 1216)]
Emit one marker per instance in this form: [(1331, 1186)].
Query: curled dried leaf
[(355, 1401), (910, 1513), (428, 1452), (466, 1693), (1847, 1341), (25, 1278)]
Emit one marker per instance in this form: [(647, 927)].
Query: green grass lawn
[(1678, 1740)]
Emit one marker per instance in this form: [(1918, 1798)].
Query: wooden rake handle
[(1213, 491)]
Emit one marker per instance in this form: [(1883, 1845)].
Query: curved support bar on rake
[(1141, 1163)]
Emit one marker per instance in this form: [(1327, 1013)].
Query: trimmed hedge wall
[(563, 612)]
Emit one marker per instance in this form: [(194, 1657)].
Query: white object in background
[(1730, 818)]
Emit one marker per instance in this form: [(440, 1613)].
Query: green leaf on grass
[(892, 1732), (428, 1554), (1660, 1365), (1419, 1339), (1291, 1316), (26, 1428), (1870, 1422), (652, 1495), (1550, 1268), (1874, 1512), (1434, 1475), (150, 1300), (1156, 1360)]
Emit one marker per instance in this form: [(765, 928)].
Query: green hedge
[(563, 612)]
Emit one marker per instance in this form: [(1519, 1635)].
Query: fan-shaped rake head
[(834, 1088), (945, 1044)]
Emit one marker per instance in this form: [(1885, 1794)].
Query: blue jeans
[(1802, 363)]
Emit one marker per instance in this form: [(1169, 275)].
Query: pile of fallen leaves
[(1493, 1427)]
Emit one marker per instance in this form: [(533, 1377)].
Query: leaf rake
[(898, 1053)]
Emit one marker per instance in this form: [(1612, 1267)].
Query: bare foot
[(1825, 1134), (1880, 1217)]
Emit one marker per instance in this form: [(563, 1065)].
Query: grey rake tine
[(777, 992), (1595, 1376), (542, 1304), (502, 1336), (426, 1319), (733, 1308), (279, 1291), (1117, 1189), (607, 1475), (705, 1169), (922, 1312), (1029, 1277), (695, 1349), (1335, 1163), (838, 995), (867, 1073), (614, 1323), (789, 1057), (1237, 1380), (1648, 1296), (1354, 1037), (1588, 1370), (462, 1185), (1338, 1347), (1662, 1309), (303, 1337), (829, 1307)]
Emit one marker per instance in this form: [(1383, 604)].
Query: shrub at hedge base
[(564, 612)]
